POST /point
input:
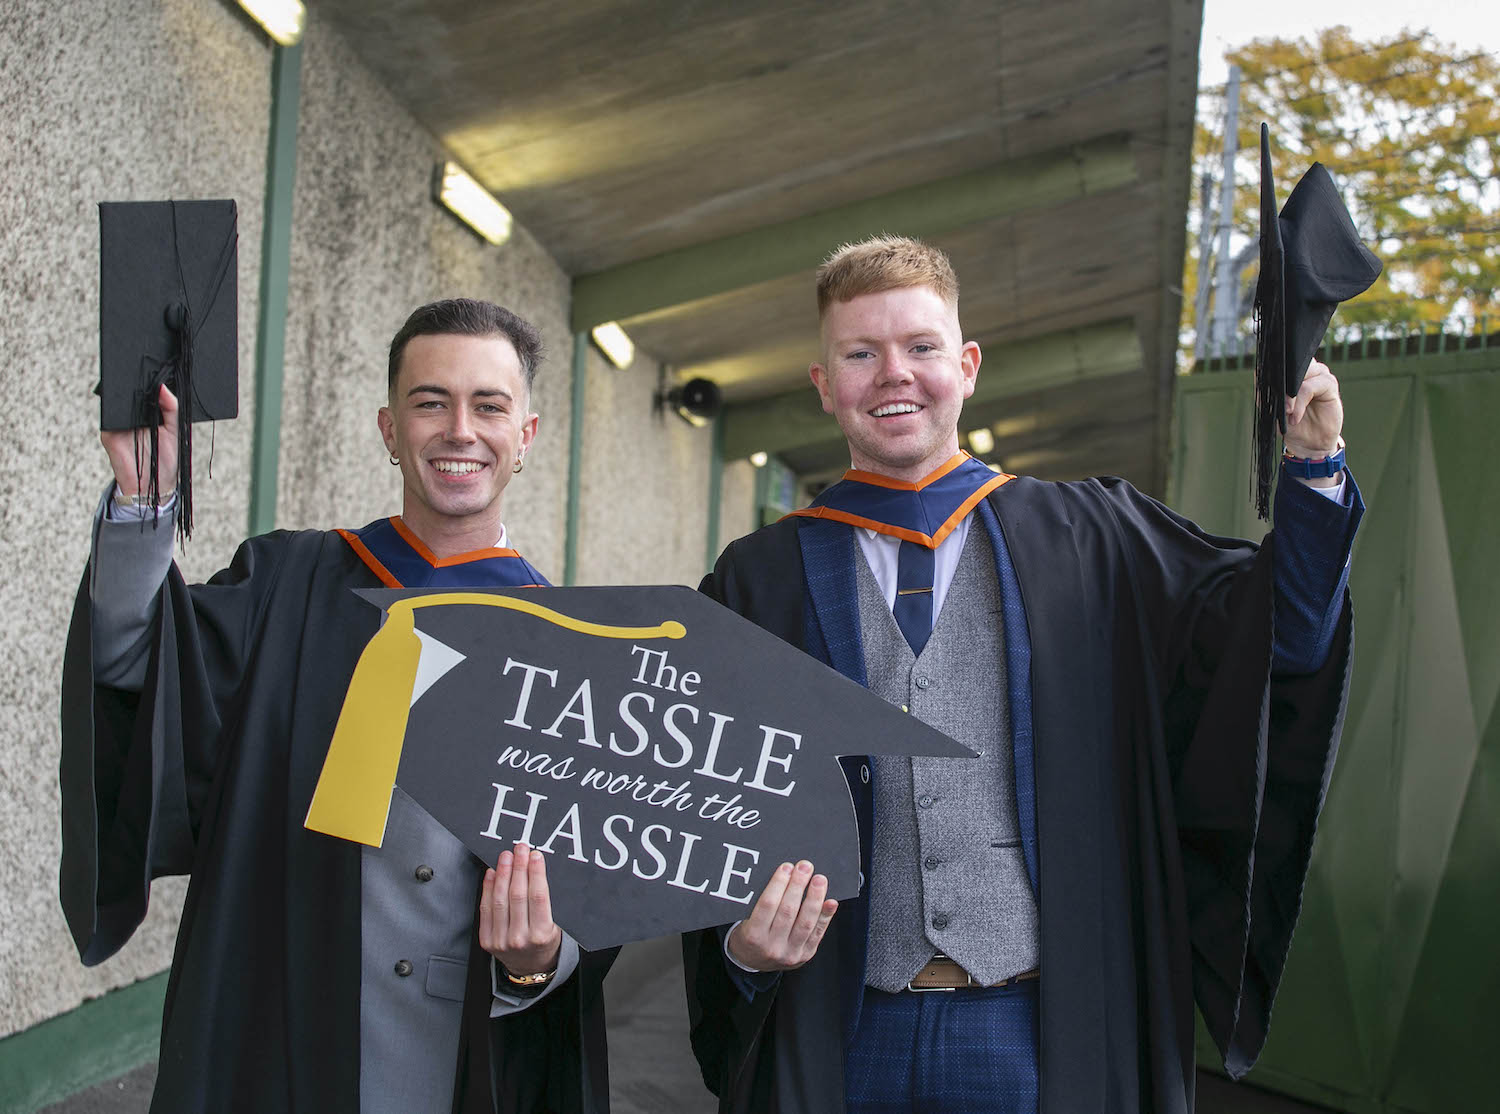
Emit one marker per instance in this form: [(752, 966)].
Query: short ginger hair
[(884, 263)]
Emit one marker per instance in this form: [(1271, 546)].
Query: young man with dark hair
[(1154, 711), (313, 973)]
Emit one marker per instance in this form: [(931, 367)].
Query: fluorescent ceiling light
[(614, 343), (282, 19), (471, 202), (759, 458), (981, 441)]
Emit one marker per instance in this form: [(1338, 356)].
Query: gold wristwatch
[(540, 979)]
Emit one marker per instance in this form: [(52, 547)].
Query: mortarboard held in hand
[(168, 313), (1311, 259)]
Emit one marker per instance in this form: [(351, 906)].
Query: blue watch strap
[(1307, 469)]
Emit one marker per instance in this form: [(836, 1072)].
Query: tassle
[(1270, 413), (149, 418), (353, 795), (181, 321)]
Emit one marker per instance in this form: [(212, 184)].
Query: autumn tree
[(1410, 129)]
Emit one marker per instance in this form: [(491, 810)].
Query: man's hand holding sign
[(788, 922), (515, 916)]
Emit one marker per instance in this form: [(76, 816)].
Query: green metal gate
[(1391, 1000)]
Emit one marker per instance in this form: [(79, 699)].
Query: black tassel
[(149, 418), (180, 381), (1270, 403), (183, 389)]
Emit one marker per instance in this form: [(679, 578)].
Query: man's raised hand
[(515, 914), (130, 452), (1315, 416), (787, 924)]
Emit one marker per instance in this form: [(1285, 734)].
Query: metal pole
[(1226, 284), (1205, 267)]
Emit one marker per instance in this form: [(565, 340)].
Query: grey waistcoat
[(948, 872), (409, 1023)]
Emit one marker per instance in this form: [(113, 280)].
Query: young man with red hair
[(1134, 832)]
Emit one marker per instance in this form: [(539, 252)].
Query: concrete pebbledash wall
[(644, 471), (150, 99), (108, 101), (368, 247)]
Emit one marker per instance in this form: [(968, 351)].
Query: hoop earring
[(520, 463), (395, 459)]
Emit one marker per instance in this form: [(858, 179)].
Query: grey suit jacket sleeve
[(128, 562), (507, 1003)]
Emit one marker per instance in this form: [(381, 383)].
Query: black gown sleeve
[(137, 768), (1248, 752)]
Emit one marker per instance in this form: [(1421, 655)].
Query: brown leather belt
[(942, 973)]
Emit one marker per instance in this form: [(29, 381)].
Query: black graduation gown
[(1178, 785), (209, 772)]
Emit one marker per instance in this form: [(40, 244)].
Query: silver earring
[(395, 459)]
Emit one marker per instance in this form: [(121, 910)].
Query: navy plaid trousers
[(968, 1051)]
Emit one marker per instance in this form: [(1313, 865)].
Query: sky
[(1472, 24)]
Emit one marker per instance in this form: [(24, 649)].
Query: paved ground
[(651, 1068)]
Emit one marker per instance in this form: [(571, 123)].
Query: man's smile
[(892, 408), (456, 467)]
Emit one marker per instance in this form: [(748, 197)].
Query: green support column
[(715, 491), (275, 266), (575, 454)]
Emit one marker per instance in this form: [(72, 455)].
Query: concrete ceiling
[(690, 161)]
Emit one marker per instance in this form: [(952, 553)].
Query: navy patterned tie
[(913, 610)]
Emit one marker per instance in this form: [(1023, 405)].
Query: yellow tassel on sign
[(353, 797)]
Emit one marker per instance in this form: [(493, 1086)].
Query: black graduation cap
[(665, 753), (168, 313), (1311, 259)]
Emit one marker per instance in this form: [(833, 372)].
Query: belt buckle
[(931, 989), (945, 989)]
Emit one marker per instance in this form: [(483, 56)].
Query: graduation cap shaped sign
[(665, 753)]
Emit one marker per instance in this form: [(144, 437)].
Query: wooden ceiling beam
[(795, 419), (773, 251)]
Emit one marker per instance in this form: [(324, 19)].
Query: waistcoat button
[(403, 967), (940, 921), (424, 873)]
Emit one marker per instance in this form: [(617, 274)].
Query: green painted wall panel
[(1388, 1004), (1220, 418), (1460, 410)]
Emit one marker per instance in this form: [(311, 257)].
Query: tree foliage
[(1410, 129)]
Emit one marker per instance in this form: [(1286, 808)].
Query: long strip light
[(615, 343), (283, 20), (470, 202)]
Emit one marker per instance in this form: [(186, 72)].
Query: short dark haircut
[(473, 318)]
